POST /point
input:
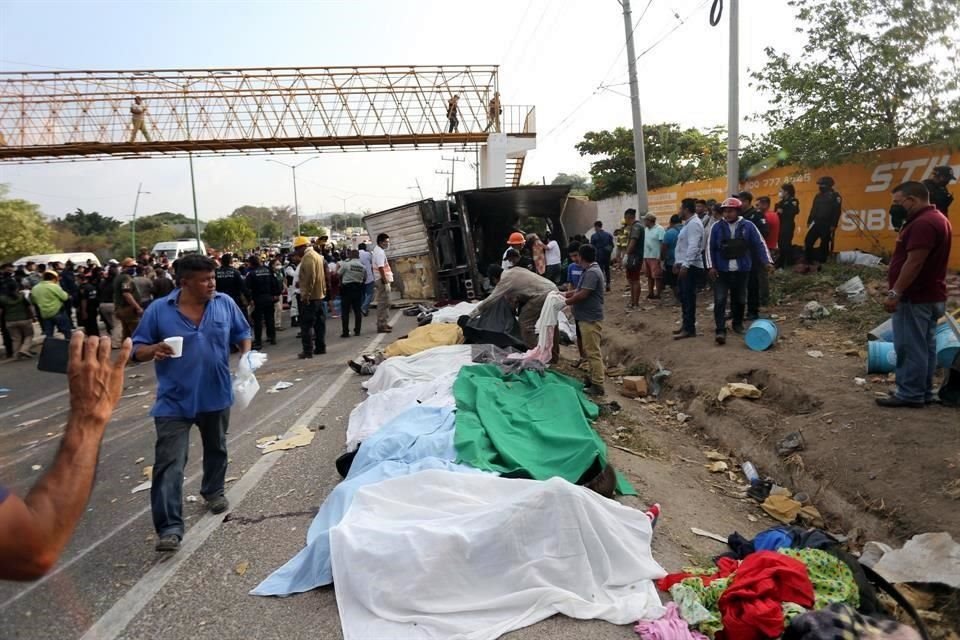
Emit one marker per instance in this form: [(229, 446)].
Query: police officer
[(265, 290), (937, 185), (231, 282), (823, 221)]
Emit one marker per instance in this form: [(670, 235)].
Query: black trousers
[(821, 253), (7, 338), (263, 312), (351, 299), (785, 242), (90, 325), (313, 326), (758, 289), (734, 283)]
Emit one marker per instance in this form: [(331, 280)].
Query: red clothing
[(725, 566), (926, 229), (773, 223), (750, 606)]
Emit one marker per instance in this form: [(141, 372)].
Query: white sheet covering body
[(461, 556), (372, 414), (450, 315), (404, 371)]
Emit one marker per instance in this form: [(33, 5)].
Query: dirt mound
[(781, 395)]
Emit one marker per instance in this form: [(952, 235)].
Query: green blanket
[(527, 425)]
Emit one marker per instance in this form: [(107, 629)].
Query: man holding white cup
[(188, 334)]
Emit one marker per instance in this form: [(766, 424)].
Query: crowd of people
[(114, 298)]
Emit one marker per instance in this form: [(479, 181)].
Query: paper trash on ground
[(297, 437), (279, 386), (143, 486), (928, 557), (738, 390)]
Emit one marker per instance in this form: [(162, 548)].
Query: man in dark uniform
[(231, 283), (822, 224), (937, 185), (788, 207), (265, 290)]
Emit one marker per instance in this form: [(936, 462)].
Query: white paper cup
[(176, 343)]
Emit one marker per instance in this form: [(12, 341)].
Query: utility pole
[(639, 156), (293, 168), (733, 105), (446, 173), (133, 227), (417, 180), (193, 184), (453, 163)]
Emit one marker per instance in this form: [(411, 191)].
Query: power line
[(516, 33), (682, 22), (529, 39)]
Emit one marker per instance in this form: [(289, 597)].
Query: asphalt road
[(110, 583)]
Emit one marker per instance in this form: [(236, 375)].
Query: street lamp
[(133, 227), (293, 168)]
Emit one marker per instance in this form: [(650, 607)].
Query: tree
[(230, 234), (312, 229), (578, 183), (89, 224), (271, 231), (673, 155), (25, 231), (872, 75)]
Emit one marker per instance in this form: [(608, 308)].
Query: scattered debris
[(782, 508), (143, 486), (717, 467), (738, 390), (927, 557), (854, 289), (872, 552), (791, 443), (279, 386), (813, 310), (634, 387), (682, 417), (860, 382), (230, 479), (191, 498), (138, 394), (148, 472), (241, 567), (814, 353), (138, 460), (297, 437), (715, 455), (659, 379), (36, 467), (707, 534), (134, 376)]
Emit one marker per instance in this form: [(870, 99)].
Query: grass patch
[(787, 286)]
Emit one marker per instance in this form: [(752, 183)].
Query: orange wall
[(865, 186)]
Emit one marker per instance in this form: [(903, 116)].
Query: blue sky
[(553, 54)]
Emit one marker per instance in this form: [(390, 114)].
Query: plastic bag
[(245, 385)]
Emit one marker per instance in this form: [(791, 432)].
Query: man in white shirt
[(652, 241), (366, 259), (138, 122), (292, 273), (383, 277), (553, 260), (688, 266)]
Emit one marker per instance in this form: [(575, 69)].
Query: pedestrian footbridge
[(53, 116)]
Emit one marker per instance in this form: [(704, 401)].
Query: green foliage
[(873, 74), (25, 231), (230, 234), (284, 216), (673, 155), (312, 229), (165, 217), (271, 231), (341, 221), (579, 184), (89, 224)]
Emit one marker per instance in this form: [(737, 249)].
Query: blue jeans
[(687, 292), (734, 283), (914, 339), (367, 297), (170, 459), (60, 322)]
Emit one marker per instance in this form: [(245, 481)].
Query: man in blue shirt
[(574, 270), (193, 389), (604, 244)]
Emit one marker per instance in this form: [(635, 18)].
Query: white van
[(177, 249), (79, 258)]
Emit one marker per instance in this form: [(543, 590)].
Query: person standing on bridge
[(453, 113), (493, 114), (192, 389), (138, 119)]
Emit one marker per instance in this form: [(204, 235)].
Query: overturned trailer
[(442, 249)]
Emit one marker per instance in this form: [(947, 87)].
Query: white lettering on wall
[(866, 220)]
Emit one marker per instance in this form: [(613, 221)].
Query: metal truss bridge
[(54, 116)]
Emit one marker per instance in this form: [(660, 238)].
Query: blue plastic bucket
[(881, 357), (948, 347), (883, 331), (761, 335)]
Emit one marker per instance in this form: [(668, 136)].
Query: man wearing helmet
[(733, 247), (823, 221), (936, 184), (515, 242)]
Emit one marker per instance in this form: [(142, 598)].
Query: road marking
[(112, 623), (29, 405)]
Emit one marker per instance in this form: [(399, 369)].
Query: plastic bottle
[(751, 472)]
